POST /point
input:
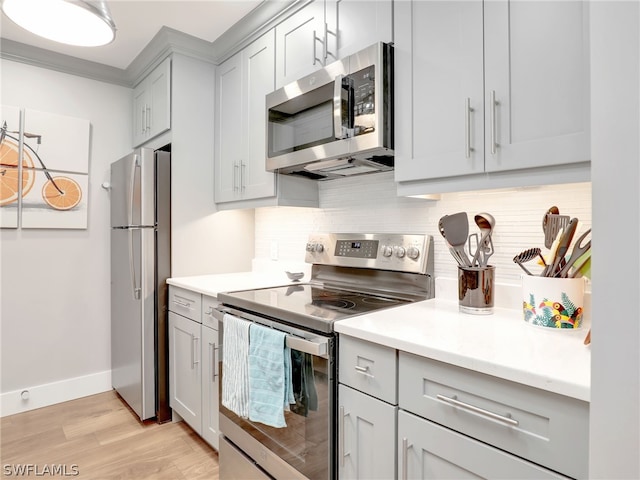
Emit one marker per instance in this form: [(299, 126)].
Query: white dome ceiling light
[(84, 23)]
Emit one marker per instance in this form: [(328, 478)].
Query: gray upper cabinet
[(242, 84), (300, 43), (484, 87), (152, 104), (325, 31)]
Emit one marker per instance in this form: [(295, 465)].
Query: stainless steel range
[(351, 274)]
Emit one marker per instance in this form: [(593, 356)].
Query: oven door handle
[(318, 346)]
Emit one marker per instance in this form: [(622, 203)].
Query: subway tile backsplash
[(368, 204)]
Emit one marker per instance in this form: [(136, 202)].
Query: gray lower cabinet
[(194, 361), (427, 450), (185, 370), (367, 429)]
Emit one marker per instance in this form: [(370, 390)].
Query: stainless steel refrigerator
[(140, 191)]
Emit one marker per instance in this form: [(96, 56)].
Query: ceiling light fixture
[(84, 23)]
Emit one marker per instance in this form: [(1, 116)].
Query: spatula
[(455, 229)]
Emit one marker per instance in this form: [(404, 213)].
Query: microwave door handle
[(337, 106)]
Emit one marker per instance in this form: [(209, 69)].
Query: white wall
[(615, 126), (55, 283), (369, 204), (54, 295)]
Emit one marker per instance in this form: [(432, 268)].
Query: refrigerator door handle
[(132, 186), (132, 268)]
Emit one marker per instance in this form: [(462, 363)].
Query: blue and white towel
[(270, 387), (235, 365)]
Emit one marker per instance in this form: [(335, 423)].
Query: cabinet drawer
[(429, 451), (186, 303), (368, 367), (544, 427), (208, 305)]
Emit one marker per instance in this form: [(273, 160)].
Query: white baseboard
[(51, 393)]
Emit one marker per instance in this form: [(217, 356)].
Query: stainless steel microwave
[(335, 122)]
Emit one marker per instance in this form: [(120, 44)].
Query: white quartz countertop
[(227, 282), (500, 344)]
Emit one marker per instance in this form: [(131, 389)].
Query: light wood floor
[(106, 440)]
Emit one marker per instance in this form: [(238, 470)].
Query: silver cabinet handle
[(480, 411), (148, 118), (143, 119), (182, 304), (492, 111), (194, 360), (363, 370), (235, 175), (214, 361), (315, 58), (341, 443), (325, 52), (210, 312), (467, 127), (243, 168), (405, 457)]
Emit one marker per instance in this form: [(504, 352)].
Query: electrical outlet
[(274, 250)]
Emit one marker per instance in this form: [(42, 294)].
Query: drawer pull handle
[(405, 457), (480, 411), (210, 312), (181, 303), (364, 370)]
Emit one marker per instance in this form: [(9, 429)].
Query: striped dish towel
[(270, 388), (235, 366)]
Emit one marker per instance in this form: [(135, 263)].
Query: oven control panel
[(406, 253)]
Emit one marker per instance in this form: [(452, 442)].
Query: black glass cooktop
[(307, 305)]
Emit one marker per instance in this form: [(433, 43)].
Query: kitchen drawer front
[(209, 304), (551, 430), (368, 367), (430, 451), (186, 303)]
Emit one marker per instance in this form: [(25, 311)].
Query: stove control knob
[(319, 248), (387, 251), (311, 247), (400, 252), (413, 253)]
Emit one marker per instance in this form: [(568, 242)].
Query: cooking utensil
[(455, 229), (526, 256), (576, 253), (552, 225), (453, 252), (485, 222), (583, 268), (563, 246), (552, 255), (294, 276)]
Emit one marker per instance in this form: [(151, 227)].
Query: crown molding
[(39, 57), (167, 41)]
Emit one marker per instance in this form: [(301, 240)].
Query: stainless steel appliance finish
[(140, 265), (352, 274), (335, 122)]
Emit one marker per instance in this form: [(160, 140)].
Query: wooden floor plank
[(106, 441)]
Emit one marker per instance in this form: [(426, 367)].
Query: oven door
[(305, 447)]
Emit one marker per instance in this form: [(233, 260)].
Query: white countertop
[(226, 282), (501, 344)]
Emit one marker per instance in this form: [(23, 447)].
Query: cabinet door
[(299, 43), (429, 451), (259, 77), (140, 102), (367, 436), (356, 24), (185, 370), (229, 148), (210, 381), (160, 99), (439, 70), (536, 56)]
